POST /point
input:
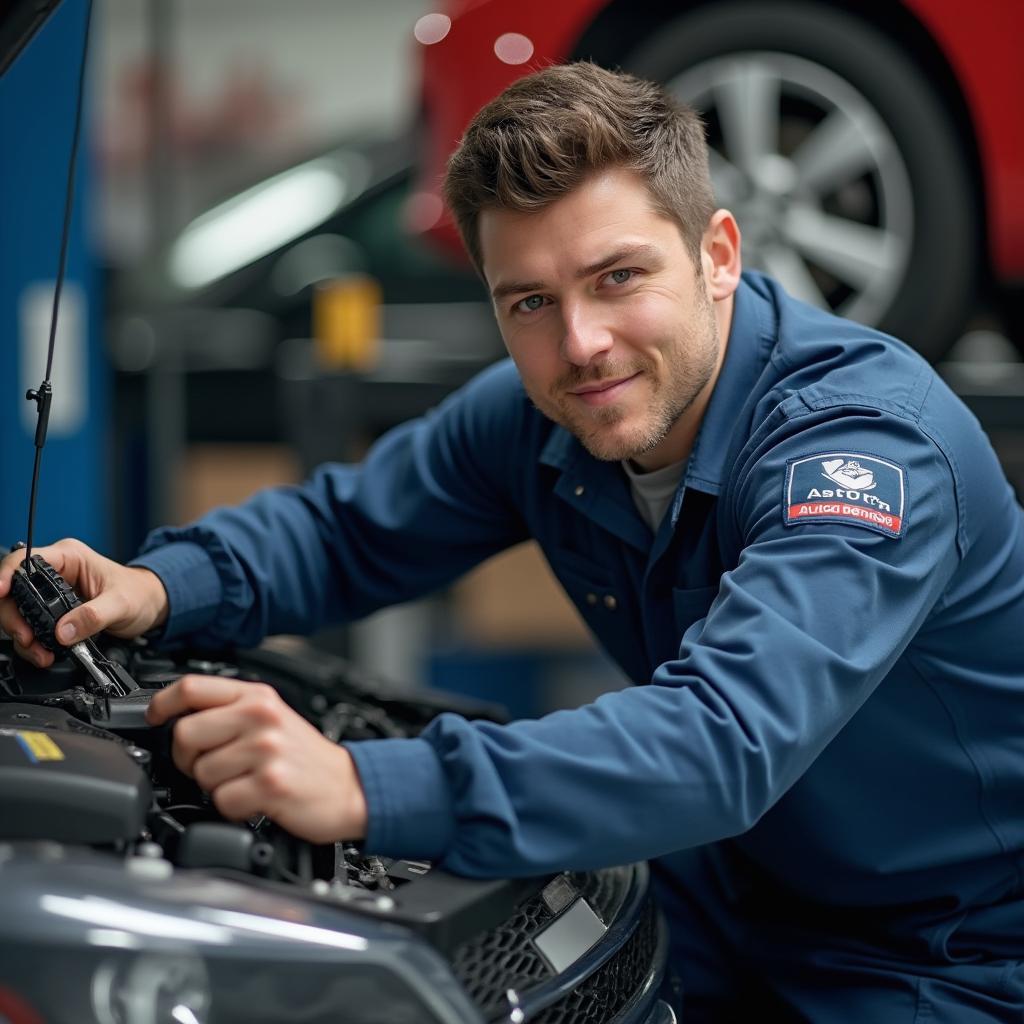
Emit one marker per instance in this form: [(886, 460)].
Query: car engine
[(130, 900)]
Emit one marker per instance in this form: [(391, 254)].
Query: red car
[(872, 151)]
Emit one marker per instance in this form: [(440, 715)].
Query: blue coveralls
[(825, 748)]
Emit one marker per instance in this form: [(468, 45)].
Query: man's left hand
[(255, 755)]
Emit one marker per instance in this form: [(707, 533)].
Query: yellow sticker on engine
[(39, 746)]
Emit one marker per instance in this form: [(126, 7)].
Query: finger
[(203, 732), (63, 556), (34, 652), (8, 565), (239, 799), (55, 554), (192, 693), (14, 625), (90, 617), (216, 767)]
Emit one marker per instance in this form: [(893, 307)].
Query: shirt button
[(610, 603), (591, 598), (579, 490)]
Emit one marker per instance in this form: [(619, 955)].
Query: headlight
[(88, 940)]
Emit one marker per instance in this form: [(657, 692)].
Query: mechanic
[(782, 524)]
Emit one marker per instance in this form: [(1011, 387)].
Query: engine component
[(66, 780)]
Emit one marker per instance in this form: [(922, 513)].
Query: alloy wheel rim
[(813, 174)]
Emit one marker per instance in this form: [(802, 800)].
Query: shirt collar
[(597, 489), (561, 450), (751, 339)]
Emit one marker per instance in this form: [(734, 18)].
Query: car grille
[(505, 958), (609, 989)]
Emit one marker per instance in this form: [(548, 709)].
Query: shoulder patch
[(846, 487)]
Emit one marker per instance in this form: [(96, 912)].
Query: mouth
[(605, 391)]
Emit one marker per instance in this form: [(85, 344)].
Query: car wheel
[(842, 166)]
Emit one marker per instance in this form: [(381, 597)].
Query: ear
[(720, 255)]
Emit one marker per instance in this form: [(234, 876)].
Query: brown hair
[(546, 132)]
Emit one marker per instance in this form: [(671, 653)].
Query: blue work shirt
[(827, 629)]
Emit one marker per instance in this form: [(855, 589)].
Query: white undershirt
[(653, 492)]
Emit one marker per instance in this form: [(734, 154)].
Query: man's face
[(606, 316)]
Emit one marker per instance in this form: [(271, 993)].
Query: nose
[(586, 337)]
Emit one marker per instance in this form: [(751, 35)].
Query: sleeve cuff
[(407, 797), (192, 584)]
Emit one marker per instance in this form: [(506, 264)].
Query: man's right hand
[(124, 600)]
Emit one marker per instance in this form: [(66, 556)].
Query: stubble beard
[(681, 382)]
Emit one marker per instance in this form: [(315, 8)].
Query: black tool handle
[(43, 596)]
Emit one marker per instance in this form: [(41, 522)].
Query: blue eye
[(620, 276), (530, 304)]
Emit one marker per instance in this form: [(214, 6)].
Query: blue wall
[(37, 108)]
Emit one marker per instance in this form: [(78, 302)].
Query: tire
[(844, 170)]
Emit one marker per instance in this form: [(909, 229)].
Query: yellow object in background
[(346, 321)]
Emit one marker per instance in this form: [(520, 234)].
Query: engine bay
[(94, 814), (82, 767)]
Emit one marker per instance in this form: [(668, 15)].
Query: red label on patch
[(810, 509), (853, 488)]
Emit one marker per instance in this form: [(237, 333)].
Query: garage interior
[(182, 383)]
